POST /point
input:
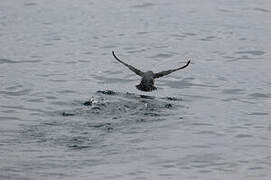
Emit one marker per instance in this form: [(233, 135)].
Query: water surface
[(68, 110)]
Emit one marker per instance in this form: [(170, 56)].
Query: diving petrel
[(147, 81)]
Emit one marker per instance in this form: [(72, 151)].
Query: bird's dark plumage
[(147, 81), (138, 72)]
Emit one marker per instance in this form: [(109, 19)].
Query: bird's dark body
[(147, 81)]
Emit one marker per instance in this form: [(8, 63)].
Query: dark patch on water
[(151, 114), (225, 10), (30, 4), (107, 92), (67, 114), (178, 36), (146, 97), (87, 103), (126, 105), (233, 91), (66, 92), (144, 5), (259, 95), (58, 80), (255, 52), (13, 87), (83, 61), (190, 34), (8, 61), (243, 136), (172, 98), (208, 38), (261, 10), (99, 125), (3, 118), (16, 93), (88, 52), (85, 124), (51, 75), (168, 106), (258, 114), (136, 51), (243, 57)]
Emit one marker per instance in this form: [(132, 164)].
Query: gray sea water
[(68, 110)]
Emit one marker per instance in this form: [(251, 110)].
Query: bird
[(148, 77)]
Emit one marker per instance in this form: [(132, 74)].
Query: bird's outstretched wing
[(135, 70), (164, 73)]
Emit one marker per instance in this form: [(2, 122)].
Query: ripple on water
[(14, 87), (109, 80), (204, 161), (259, 95), (178, 36), (4, 118), (208, 38), (58, 80), (190, 34), (244, 136), (30, 4), (35, 100), (258, 114), (253, 52), (8, 61), (261, 10), (136, 51), (233, 91), (128, 104), (112, 72), (144, 5), (23, 108), (16, 93), (86, 124), (66, 92)]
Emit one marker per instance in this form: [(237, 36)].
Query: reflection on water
[(59, 120)]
